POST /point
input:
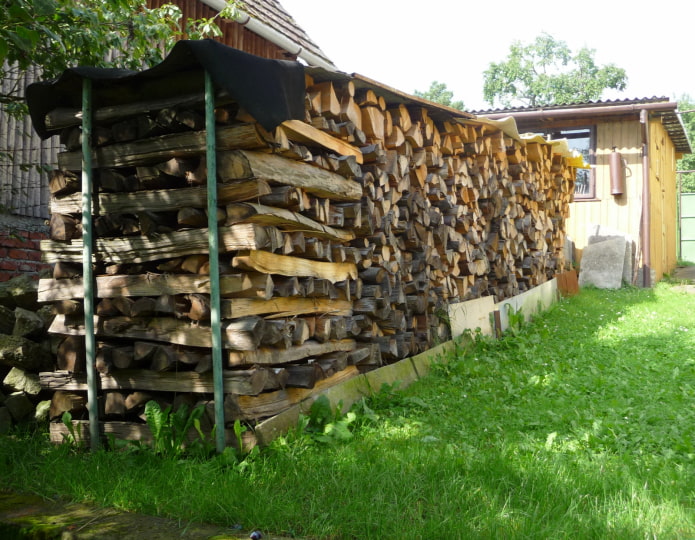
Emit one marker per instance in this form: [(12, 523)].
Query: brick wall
[(20, 250)]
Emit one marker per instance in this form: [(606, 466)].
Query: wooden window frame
[(557, 133)]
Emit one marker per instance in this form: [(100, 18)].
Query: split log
[(50, 290), (176, 244), (246, 382), (269, 263), (241, 164), (282, 307), (243, 334), (308, 135), (248, 136), (284, 220), (268, 356), (62, 401)]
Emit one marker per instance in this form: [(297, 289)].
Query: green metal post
[(213, 243), (87, 272)]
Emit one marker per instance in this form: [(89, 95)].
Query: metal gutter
[(272, 35)]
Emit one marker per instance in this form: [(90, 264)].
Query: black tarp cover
[(271, 90)]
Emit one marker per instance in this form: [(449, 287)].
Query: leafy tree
[(547, 72), (687, 163), (439, 93), (56, 34)]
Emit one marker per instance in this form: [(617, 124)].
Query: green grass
[(580, 426)]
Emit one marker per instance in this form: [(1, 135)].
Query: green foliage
[(72, 438), (325, 425), (439, 93), (170, 430), (57, 34), (547, 72), (687, 163), (579, 426)]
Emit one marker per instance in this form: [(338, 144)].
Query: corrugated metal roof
[(670, 118), (271, 13), (574, 105)]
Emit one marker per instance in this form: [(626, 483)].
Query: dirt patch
[(32, 517)]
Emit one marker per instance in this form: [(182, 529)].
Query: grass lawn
[(579, 425)]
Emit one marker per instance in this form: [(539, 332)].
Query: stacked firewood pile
[(342, 238), (25, 350)]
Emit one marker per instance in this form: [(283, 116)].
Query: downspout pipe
[(645, 232), (272, 35)]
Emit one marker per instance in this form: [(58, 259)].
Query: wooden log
[(269, 263), (283, 219), (64, 228), (282, 307), (62, 401), (308, 135), (176, 244), (51, 290), (245, 382), (187, 144), (63, 182), (71, 355), (241, 164), (269, 356), (243, 334)]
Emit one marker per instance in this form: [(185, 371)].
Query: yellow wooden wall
[(664, 200), (624, 212)]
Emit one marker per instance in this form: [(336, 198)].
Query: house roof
[(660, 107), (274, 15)]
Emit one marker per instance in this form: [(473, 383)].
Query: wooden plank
[(242, 164), (442, 353), (284, 265), (401, 372), (52, 290), (284, 307), (274, 403), (139, 249), (308, 135), (529, 302), (243, 382), (471, 315)]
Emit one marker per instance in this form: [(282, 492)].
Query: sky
[(407, 44)]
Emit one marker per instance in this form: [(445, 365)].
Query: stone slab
[(603, 264)]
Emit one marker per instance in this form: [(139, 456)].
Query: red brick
[(38, 236), (34, 255), (17, 254), (8, 264), (3, 253), (11, 242), (6, 276)]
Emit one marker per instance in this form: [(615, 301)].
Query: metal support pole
[(87, 271), (213, 243)]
